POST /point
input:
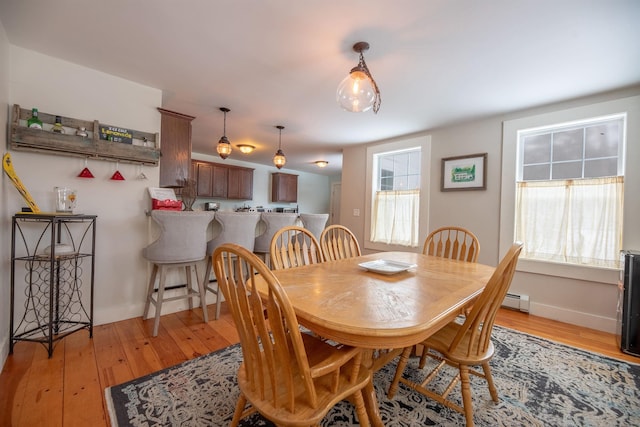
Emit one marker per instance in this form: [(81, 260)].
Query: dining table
[(382, 302)]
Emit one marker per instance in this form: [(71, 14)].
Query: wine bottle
[(34, 122), (57, 127)]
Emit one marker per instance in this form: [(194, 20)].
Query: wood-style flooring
[(68, 389)]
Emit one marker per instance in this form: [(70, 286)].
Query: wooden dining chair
[(338, 242), (453, 243), (465, 345), (294, 246), (289, 377)]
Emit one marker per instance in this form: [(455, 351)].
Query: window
[(385, 175), (396, 202), (569, 191)]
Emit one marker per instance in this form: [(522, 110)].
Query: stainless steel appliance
[(628, 311)]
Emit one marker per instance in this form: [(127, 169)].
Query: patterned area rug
[(540, 383)]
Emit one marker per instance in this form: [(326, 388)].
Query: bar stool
[(273, 221), (182, 243), (314, 223), (238, 228)]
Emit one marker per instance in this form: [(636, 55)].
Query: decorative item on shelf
[(321, 163), (117, 176), (279, 159), (188, 193), (34, 122), (358, 92), (246, 148), (57, 126), (85, 173), (224, 147), (65, 199), (82, 131)]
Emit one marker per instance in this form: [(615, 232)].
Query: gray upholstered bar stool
[(182, 243), (235, 227), (314, 223), (273, 222)]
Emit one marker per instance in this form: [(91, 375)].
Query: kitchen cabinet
[(240, 184), (175, 134), (284, 187), (218, 181)]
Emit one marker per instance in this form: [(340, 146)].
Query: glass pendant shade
[(279, 159), (356, 92), (224, 147)]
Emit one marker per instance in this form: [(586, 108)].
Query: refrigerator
[(628, 310)]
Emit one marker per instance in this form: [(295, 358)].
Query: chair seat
[(441, 341)]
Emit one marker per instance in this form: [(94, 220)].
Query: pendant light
[(358, 92), (279, 159), (224, 147)]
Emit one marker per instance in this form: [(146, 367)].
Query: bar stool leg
[(159, 299), (189, 273), (202, 294), (152, 283)]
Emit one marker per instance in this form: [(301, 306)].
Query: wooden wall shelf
[(143, 150)]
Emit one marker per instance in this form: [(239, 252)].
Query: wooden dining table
[(347, 303)]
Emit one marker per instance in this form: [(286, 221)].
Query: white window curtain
[(572, 221), (395, 217)]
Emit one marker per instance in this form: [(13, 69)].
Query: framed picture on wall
[(464, 173)]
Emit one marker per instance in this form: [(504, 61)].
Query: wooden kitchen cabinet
[(240, 184), (220, 181), (175, 146), (284, 187)]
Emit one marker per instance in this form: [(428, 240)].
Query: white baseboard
[(586, 320)]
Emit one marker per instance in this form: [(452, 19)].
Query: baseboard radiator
[(516, 302)]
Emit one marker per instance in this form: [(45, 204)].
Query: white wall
[(591, 304), (54, 86)]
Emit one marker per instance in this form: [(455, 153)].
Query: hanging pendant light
[(358, 92), (224, 147), (279, 159)]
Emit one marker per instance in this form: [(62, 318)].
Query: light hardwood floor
[(68, 389)]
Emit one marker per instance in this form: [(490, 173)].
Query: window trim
[(510, 142), (424, 143)]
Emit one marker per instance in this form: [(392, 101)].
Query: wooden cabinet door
[(284, 187), (203, 177), (220, 176), (175, 147), (240, 183)]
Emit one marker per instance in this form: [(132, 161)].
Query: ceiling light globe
[(224, 147), (279, 159), (356, 92)]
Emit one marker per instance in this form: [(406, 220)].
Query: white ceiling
[(278, 62)]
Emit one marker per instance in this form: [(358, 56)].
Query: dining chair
[(294, 246), (453, 243), (289, 377), (182, 243), (273, 221), (235, 227), (338, 242), (465, 345)]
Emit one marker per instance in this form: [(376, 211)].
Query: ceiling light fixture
[(321, 163), (246, 148), (224, 147), (358, 92), (279, 159)]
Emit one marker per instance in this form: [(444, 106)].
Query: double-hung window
[(569, 191), (396, 200)]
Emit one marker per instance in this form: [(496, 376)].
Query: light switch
[(356, 212)]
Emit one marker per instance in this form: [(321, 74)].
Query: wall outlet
[(356, 212)]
